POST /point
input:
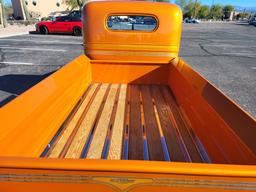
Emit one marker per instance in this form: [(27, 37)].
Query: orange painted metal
[(102, 43), (129, 72), (29, 174), (25, 174), (225, 142), (242, 122), (28, 123), (32, 119)]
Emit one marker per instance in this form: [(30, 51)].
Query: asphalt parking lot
[(223, 53), (226, 55), (25, 60)]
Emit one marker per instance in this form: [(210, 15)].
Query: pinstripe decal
[(128, 183)]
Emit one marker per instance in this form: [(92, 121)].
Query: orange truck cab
[(128, 115)]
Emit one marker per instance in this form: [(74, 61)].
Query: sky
[(242, 3)]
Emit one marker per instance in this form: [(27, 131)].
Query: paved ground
[(224, 53), (27, 59), (15, 29)]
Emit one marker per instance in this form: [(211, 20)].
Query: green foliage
[(216, 12), (204, 12), (243, 16), (8, 10), (73, 3), (188, 9), (228, 8), (181, 3), (227, 11), (192, 9)]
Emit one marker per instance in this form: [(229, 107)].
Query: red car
[(64, 24)]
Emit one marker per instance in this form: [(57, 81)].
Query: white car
[(192, 20)]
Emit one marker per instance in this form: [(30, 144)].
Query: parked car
[(63, 24), (75, 13), (192, 20), (253, 21)]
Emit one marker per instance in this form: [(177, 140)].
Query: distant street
[(223, 53)]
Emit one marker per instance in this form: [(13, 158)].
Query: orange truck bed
[(129, 115)]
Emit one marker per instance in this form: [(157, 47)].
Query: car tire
[(43, 30), (77, 31)]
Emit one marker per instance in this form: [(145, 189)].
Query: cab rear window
[(131, 23)]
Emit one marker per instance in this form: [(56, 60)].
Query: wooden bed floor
[(136, 122)]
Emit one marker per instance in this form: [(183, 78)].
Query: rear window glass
[(75, 19), (131, 23)]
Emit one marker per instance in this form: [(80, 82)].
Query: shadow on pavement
[(52, 34), (17, 84)]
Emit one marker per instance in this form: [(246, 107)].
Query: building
[(18, 10), (46, 7), (38, 8)]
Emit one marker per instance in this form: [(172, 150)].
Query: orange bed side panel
[(30, 121), (210, 117)]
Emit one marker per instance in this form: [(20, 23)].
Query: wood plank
[(165, 149), (115, 148), (99, 137), (84, 129), (111, 123), (169, 132), (182, 126), (63, 138), (125, 148), (153, 135), (135, 129)]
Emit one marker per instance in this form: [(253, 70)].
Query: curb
[(16, 34)]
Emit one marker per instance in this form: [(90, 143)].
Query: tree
[(191, 9), (24, 7), (197, 7), (2, 16), (243, 16), (75, 3), (227, 10), (181, 3), (8, 10), (216, 12), (204, 11)]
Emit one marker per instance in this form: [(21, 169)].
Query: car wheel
[(43, 30), (77, 31)]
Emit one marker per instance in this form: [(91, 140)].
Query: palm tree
[(75, 3), (80, 4), (24, 10), (3, 20)]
